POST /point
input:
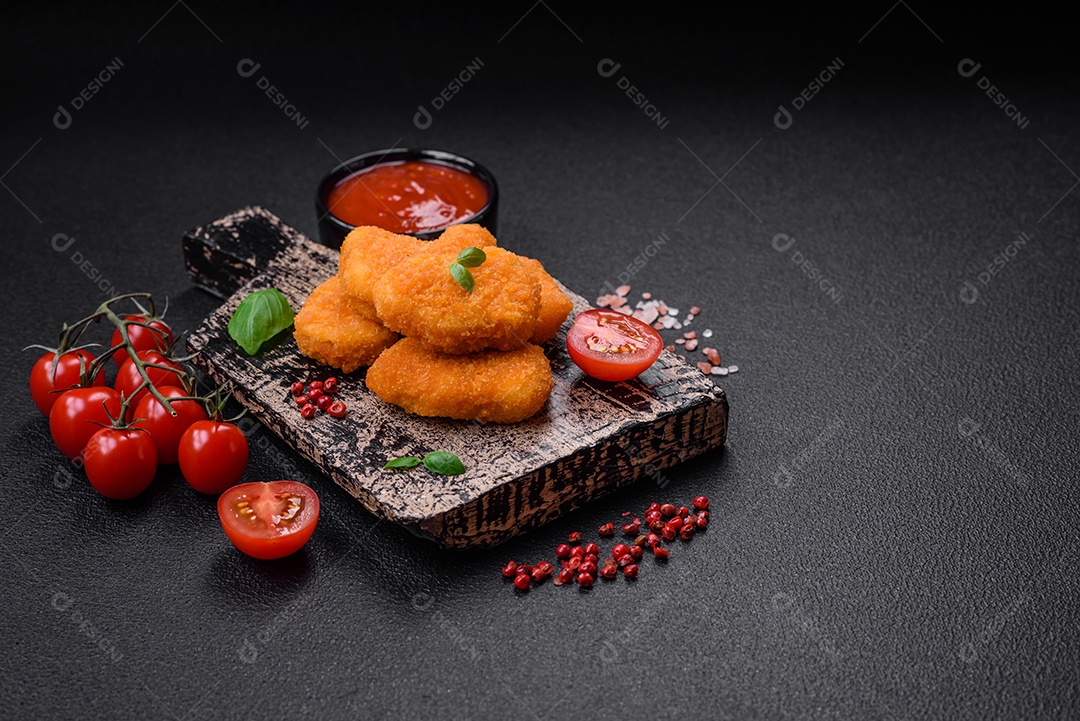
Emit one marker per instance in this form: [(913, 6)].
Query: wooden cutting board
[(590, 439)]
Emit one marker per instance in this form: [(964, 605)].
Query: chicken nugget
[(554, 305), (366, 253), (331, 331), (495, 386), (420, 298)]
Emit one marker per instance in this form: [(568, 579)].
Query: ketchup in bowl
[(409, 196)]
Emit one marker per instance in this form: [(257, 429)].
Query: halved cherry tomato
[(120, 462), (213, 455), (128, 379), (269, 520), (49, 378), (79, 414), (157, 337), (165, 429), (611, 346)]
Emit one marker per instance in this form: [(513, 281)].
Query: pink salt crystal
[(691, 344), (704, 367), (649, 315), (622, 290)]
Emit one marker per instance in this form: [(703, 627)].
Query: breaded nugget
[(496, 386), (331, 331), (366, 253), (420, 298), (466, 235), (554, 305)]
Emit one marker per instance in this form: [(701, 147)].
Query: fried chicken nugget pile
[(330, 330), (466, 355), (490, 386)]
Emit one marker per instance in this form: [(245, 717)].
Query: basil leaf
[(260, 316), (462, 276), (471, 257), (443, 463), (403, 462)]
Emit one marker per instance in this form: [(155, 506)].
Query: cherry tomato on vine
[(75, 416), (120, 462), (269, 520), (213, 455), (611, 346), (165, 429), (47, 376), (158, 337), (128, 379)]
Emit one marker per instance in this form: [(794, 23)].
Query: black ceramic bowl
[(332, 230)]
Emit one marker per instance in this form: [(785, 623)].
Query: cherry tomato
[(213, 455), (611, 346), (269, 520), (165, 429), (158, 337), (128, 379), (120, 462), (47, 376), (75, 415)]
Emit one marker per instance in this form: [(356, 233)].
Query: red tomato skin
[(128, 379), (120, 463), (166, 430), (213, 455), (142, 338), (268, 545), (611, 366), (43, 383), (74, 415)]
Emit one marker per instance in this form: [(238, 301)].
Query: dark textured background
[(894, 528)]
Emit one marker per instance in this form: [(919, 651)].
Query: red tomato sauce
[(407, 197)]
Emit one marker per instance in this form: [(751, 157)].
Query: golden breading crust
[(495, 386), (366, 253), (330, 330), (467, 235), (421, 299), (554, 305)]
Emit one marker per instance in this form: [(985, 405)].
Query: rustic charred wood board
[(590, 439)]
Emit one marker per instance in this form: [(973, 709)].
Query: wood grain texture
[(591, 438)]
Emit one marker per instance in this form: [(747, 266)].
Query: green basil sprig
[(259, 317), (441, 462), (459, 269)]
